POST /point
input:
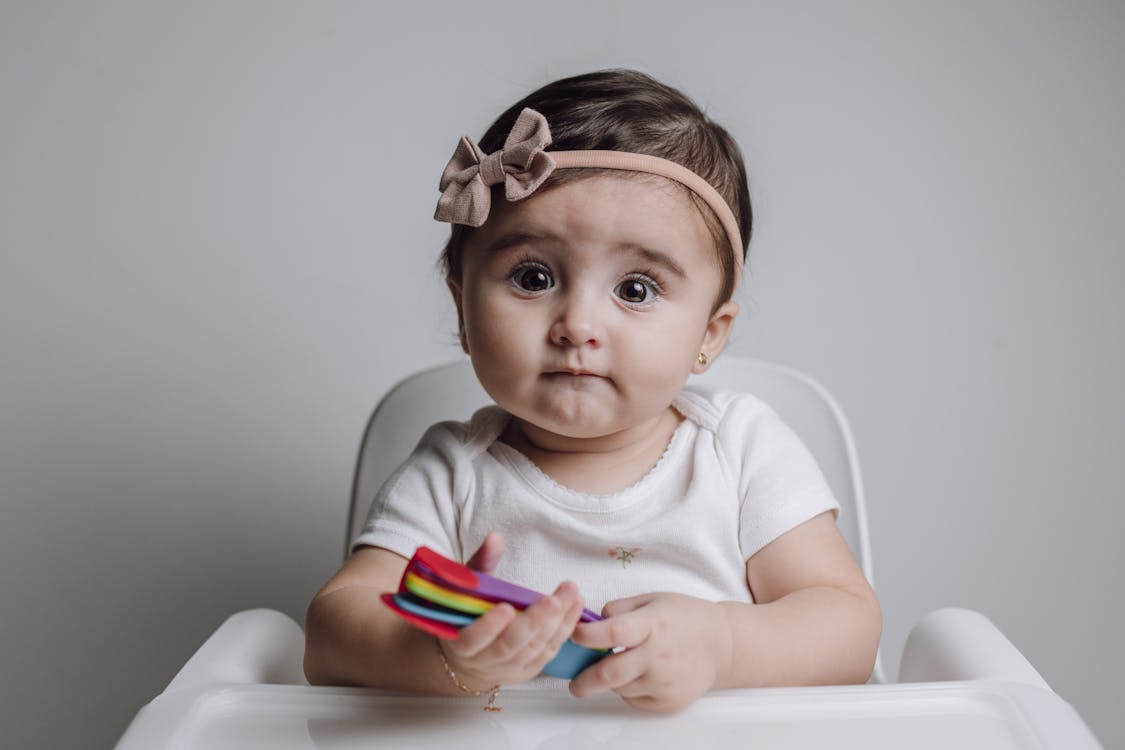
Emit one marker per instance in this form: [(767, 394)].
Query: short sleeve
[(779, 483), (417, 505)]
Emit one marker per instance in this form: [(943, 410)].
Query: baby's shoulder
[(721, 411), (746, 430), (465, 440)]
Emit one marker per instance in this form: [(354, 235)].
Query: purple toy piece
[(461, 579)]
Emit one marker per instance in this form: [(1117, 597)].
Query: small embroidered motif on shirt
[(624, 554)]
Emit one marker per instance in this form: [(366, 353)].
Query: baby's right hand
[(504, 646)]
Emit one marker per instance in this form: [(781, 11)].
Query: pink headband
[(523, 165)]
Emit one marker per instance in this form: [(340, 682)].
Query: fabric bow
[(522, 165)]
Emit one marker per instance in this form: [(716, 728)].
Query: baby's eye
[(532, 278), (636, 291)]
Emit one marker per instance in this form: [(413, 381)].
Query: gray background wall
[(217, 253)]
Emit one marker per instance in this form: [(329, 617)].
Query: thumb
[(621, 606), (488, 555)]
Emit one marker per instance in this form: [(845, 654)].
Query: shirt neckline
[(572, 499)]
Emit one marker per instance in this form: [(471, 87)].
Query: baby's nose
[(578, 324)]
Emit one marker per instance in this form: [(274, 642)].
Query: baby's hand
[(676, 649), (503, 646)]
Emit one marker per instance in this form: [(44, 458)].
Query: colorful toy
[(440, 596)]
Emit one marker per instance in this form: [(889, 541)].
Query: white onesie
[(732, 479)]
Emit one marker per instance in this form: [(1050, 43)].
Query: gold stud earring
[(702, 359)]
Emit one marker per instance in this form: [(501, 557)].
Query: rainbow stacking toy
[(440, 596)]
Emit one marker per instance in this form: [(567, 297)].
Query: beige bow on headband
[(522, 165)]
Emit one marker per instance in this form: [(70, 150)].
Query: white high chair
[(961, 683)]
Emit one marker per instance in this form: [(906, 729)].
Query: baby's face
[(585, 307)]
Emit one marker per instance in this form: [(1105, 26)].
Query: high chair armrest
[(256, 646), (955, 644)]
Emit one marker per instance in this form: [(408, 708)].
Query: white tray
[(991, 715)]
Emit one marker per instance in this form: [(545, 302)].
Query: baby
[(599, 231)]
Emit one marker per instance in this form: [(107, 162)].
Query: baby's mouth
[(574, 372), (577, 375)]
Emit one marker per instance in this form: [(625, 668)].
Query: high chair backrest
[(452, 392)]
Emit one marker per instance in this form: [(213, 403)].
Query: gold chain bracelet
[(492, 692)]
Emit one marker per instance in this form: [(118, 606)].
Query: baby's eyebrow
[(656, 257), (511, 239)]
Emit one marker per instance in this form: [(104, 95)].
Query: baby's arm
[(352, 638), (815, 620)]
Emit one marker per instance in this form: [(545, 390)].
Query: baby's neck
[(597, 466)]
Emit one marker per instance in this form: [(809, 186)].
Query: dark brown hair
[(624, 110)]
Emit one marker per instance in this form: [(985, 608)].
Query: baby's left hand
[(676, 649)]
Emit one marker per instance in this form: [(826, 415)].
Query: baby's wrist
[(726, 650), (466, 683)]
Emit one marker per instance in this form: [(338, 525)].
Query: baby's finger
[(568, 596), (629, 630), (574, 611), (487, 557), (621, 606), (484, 631), (536, 661), (611, 673), (528, 632)]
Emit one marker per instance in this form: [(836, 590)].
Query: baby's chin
[(563, 431), (576, 433)]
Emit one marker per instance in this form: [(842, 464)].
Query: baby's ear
[(455, 290), (716, 335)]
